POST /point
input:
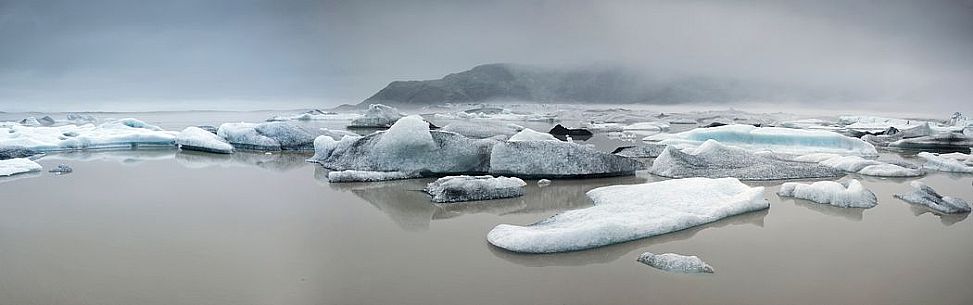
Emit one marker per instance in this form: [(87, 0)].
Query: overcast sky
[(240, 54)]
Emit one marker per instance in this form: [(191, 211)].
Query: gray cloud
[(280, 54)]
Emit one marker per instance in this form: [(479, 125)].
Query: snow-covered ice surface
[(628, 212), (776, 139), (951, 162), (11, 167), (675, 262), (846, 194), (376, 116), (925, 195), (481, 129), (712, 159), (555, 159), (367, 176), (530, 135), (123, 133), (195, 138), (472, 188)]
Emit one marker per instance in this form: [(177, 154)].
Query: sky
[(244, 54)]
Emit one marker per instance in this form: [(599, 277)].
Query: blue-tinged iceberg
[(627, 212), (675, 262), (472, 188), (847, 194), (776, 139)]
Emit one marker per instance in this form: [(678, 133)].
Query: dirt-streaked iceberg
[(471, 188), (556, 159), (627, 212), (712, 159)]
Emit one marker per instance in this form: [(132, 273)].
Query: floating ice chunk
[(856, 164), (377, 116), (874, 124), (125, 133), (943, 140), (849, 163), (952, 162), (410, 133), (15, 166), (809, 124), (472, 188), (269, 136), (816, 157), (889, 170), (11, 152), (627, 212), (337, 134), (926, 196), (61, 169), (543, 182), (481, 129), (604, 126), (367, 176), (30, 121), (784, 140), (316, 115), (552, 159), (648, 126), (675, 263), (712, 159), (847, 194), (647, 150), (530, 135), (195, 138)]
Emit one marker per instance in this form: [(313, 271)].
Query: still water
[(168, 227)]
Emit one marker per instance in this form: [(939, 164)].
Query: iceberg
[(377, 116), (627, 212), (856, 164), (647, 150), (943, 140), (11, 152), (481, 129), (926, 196), (530, 135), (408, 146), (712, 159), (776, 139), (543, 183), (847, 194), (675, 263), (472, 188), (367, 176), (952, 162), (15, 166), (315, 115), (195, 138), (61, 169), (117, 134), (648, 126), (550, 159), (269, 136)]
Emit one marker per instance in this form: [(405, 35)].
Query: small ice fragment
[(471, 188), (675, 263), (926, 196), (543, 182), (62, 169)]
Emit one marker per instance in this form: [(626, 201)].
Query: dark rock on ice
[(559, 130)]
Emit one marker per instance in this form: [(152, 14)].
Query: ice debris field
[(478, 153)]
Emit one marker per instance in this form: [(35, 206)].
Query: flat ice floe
[(627, 212), (776, 139), (675, 262), (530, 135), (926, 196), (472, 188), (195, 138), (123, 133), (367, 176), (847, 194), (11, 167), (376, 116), (952, 162), (712, 159)]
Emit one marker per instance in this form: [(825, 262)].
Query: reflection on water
[(127, 156), (278, 161), (4, 179), (854, 214), (946, 219), (611, 253)]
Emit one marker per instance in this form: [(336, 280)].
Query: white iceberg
[(530, 135), (926, 196), (481, 129), (124, 133), (556, 159), (952, 162), (472, 188), (712, 159), (367, 176), (776, 139), (847, 194), (627, 212), (376, 116), (675, 262), (195, 138), (15, 166)]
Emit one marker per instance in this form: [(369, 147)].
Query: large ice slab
[(712, 159), (952, 162), (472, 188), (377, 116), (530, 135), (15, 166), (195, 138), (368, 176), (928, 197), (942, 140), (627, 212), (847, 194), (555, 159), (269, 136), (123, 133), (675, 262), (784, 140)]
